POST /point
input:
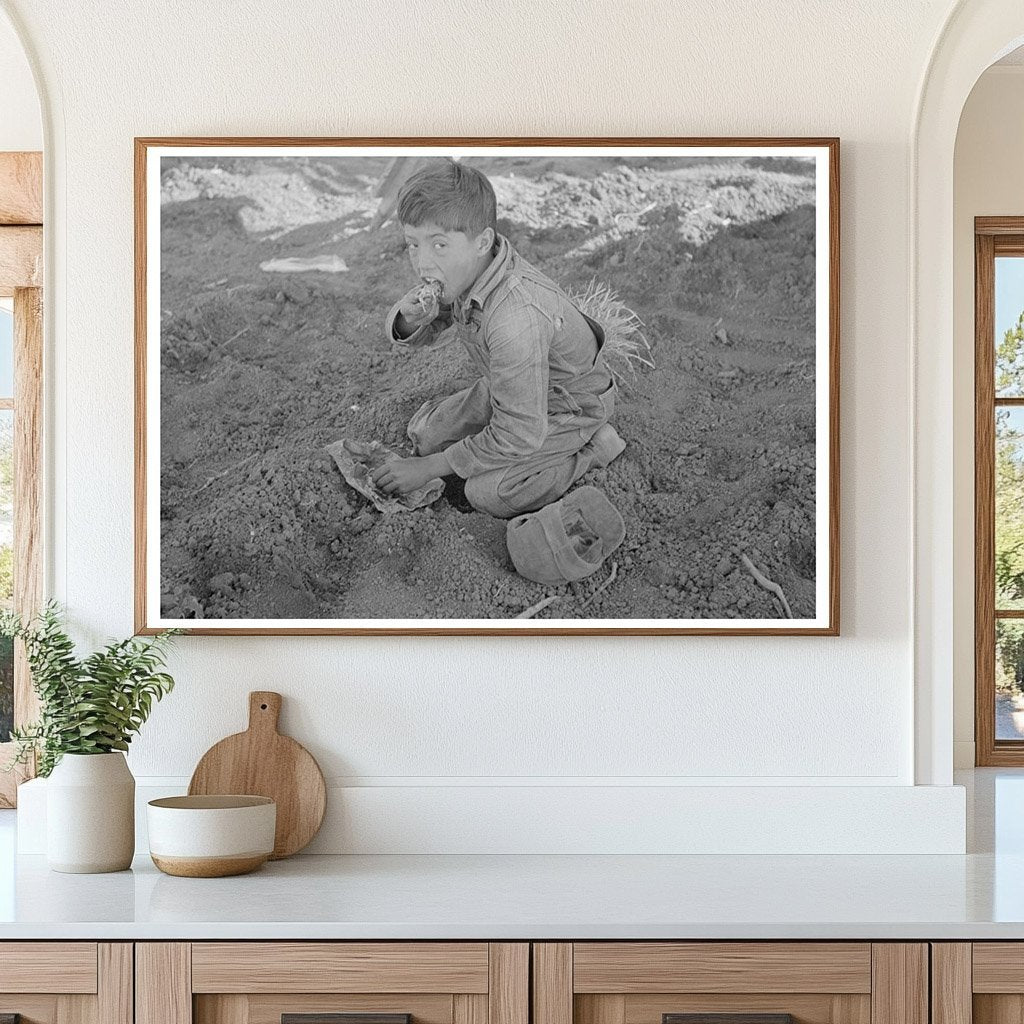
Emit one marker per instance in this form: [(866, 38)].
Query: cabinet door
[(66, 982), (980, 982), (332, 983), (730, 983)]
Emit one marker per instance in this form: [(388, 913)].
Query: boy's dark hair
[(451, 195)]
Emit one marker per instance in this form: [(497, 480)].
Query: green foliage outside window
[(1009, 512), (6, 688), (1009, 656), (1010, 361)]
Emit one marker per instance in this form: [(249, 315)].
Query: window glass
[(1009, 513), (6, 353), (1009, 679), (1009, 327)]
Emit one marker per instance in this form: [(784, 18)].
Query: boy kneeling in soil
[(537, 419)]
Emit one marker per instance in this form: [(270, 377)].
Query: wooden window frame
[(21, 278), (993, 236)]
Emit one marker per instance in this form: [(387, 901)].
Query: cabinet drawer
[(66, 967), (340, 967), (730, 983), (634, 967), (66, 982), (332, 983), (998, 967), (642, 982)]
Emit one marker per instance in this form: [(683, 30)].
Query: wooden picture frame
[(767, 445)]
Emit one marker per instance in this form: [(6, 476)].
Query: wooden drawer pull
[(727, 1018), (339, 1018)]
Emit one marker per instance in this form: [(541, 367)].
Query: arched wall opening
[(976, 35), (989, 153)]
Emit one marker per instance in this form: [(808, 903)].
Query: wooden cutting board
[(262, 762)]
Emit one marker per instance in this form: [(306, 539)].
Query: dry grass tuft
[(626, 347)]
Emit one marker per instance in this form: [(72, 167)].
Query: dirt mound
[(276, 200)]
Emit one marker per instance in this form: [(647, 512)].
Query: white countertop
[(976, 896), (518, 897)]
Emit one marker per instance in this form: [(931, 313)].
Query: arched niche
[(976, 34)]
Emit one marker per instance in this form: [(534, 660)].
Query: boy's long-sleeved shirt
[(536, 350)]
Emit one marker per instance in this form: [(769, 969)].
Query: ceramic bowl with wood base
[(211, 836)]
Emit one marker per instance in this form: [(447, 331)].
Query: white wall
[(409, 713), (987, 182)]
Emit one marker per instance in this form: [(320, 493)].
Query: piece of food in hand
[(428, 295)]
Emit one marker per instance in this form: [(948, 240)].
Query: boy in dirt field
[(537, 419)]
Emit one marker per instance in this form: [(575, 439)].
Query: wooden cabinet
[(978, 982), (512, 983), (66, 982), (306, 982), (759, 982)]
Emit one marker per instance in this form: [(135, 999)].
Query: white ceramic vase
[(90, 814)]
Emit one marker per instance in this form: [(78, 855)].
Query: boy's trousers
[(534, 480)]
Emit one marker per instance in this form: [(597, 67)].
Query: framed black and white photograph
[(497, 386)]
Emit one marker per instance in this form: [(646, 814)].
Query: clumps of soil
[(260, 371)]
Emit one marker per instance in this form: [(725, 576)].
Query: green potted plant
[(89, 710)]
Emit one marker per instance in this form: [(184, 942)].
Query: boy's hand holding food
[(400, 476), (421, 305)]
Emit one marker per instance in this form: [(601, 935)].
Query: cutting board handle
[(264, 710)]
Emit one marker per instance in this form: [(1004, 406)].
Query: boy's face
[(451, 257)]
